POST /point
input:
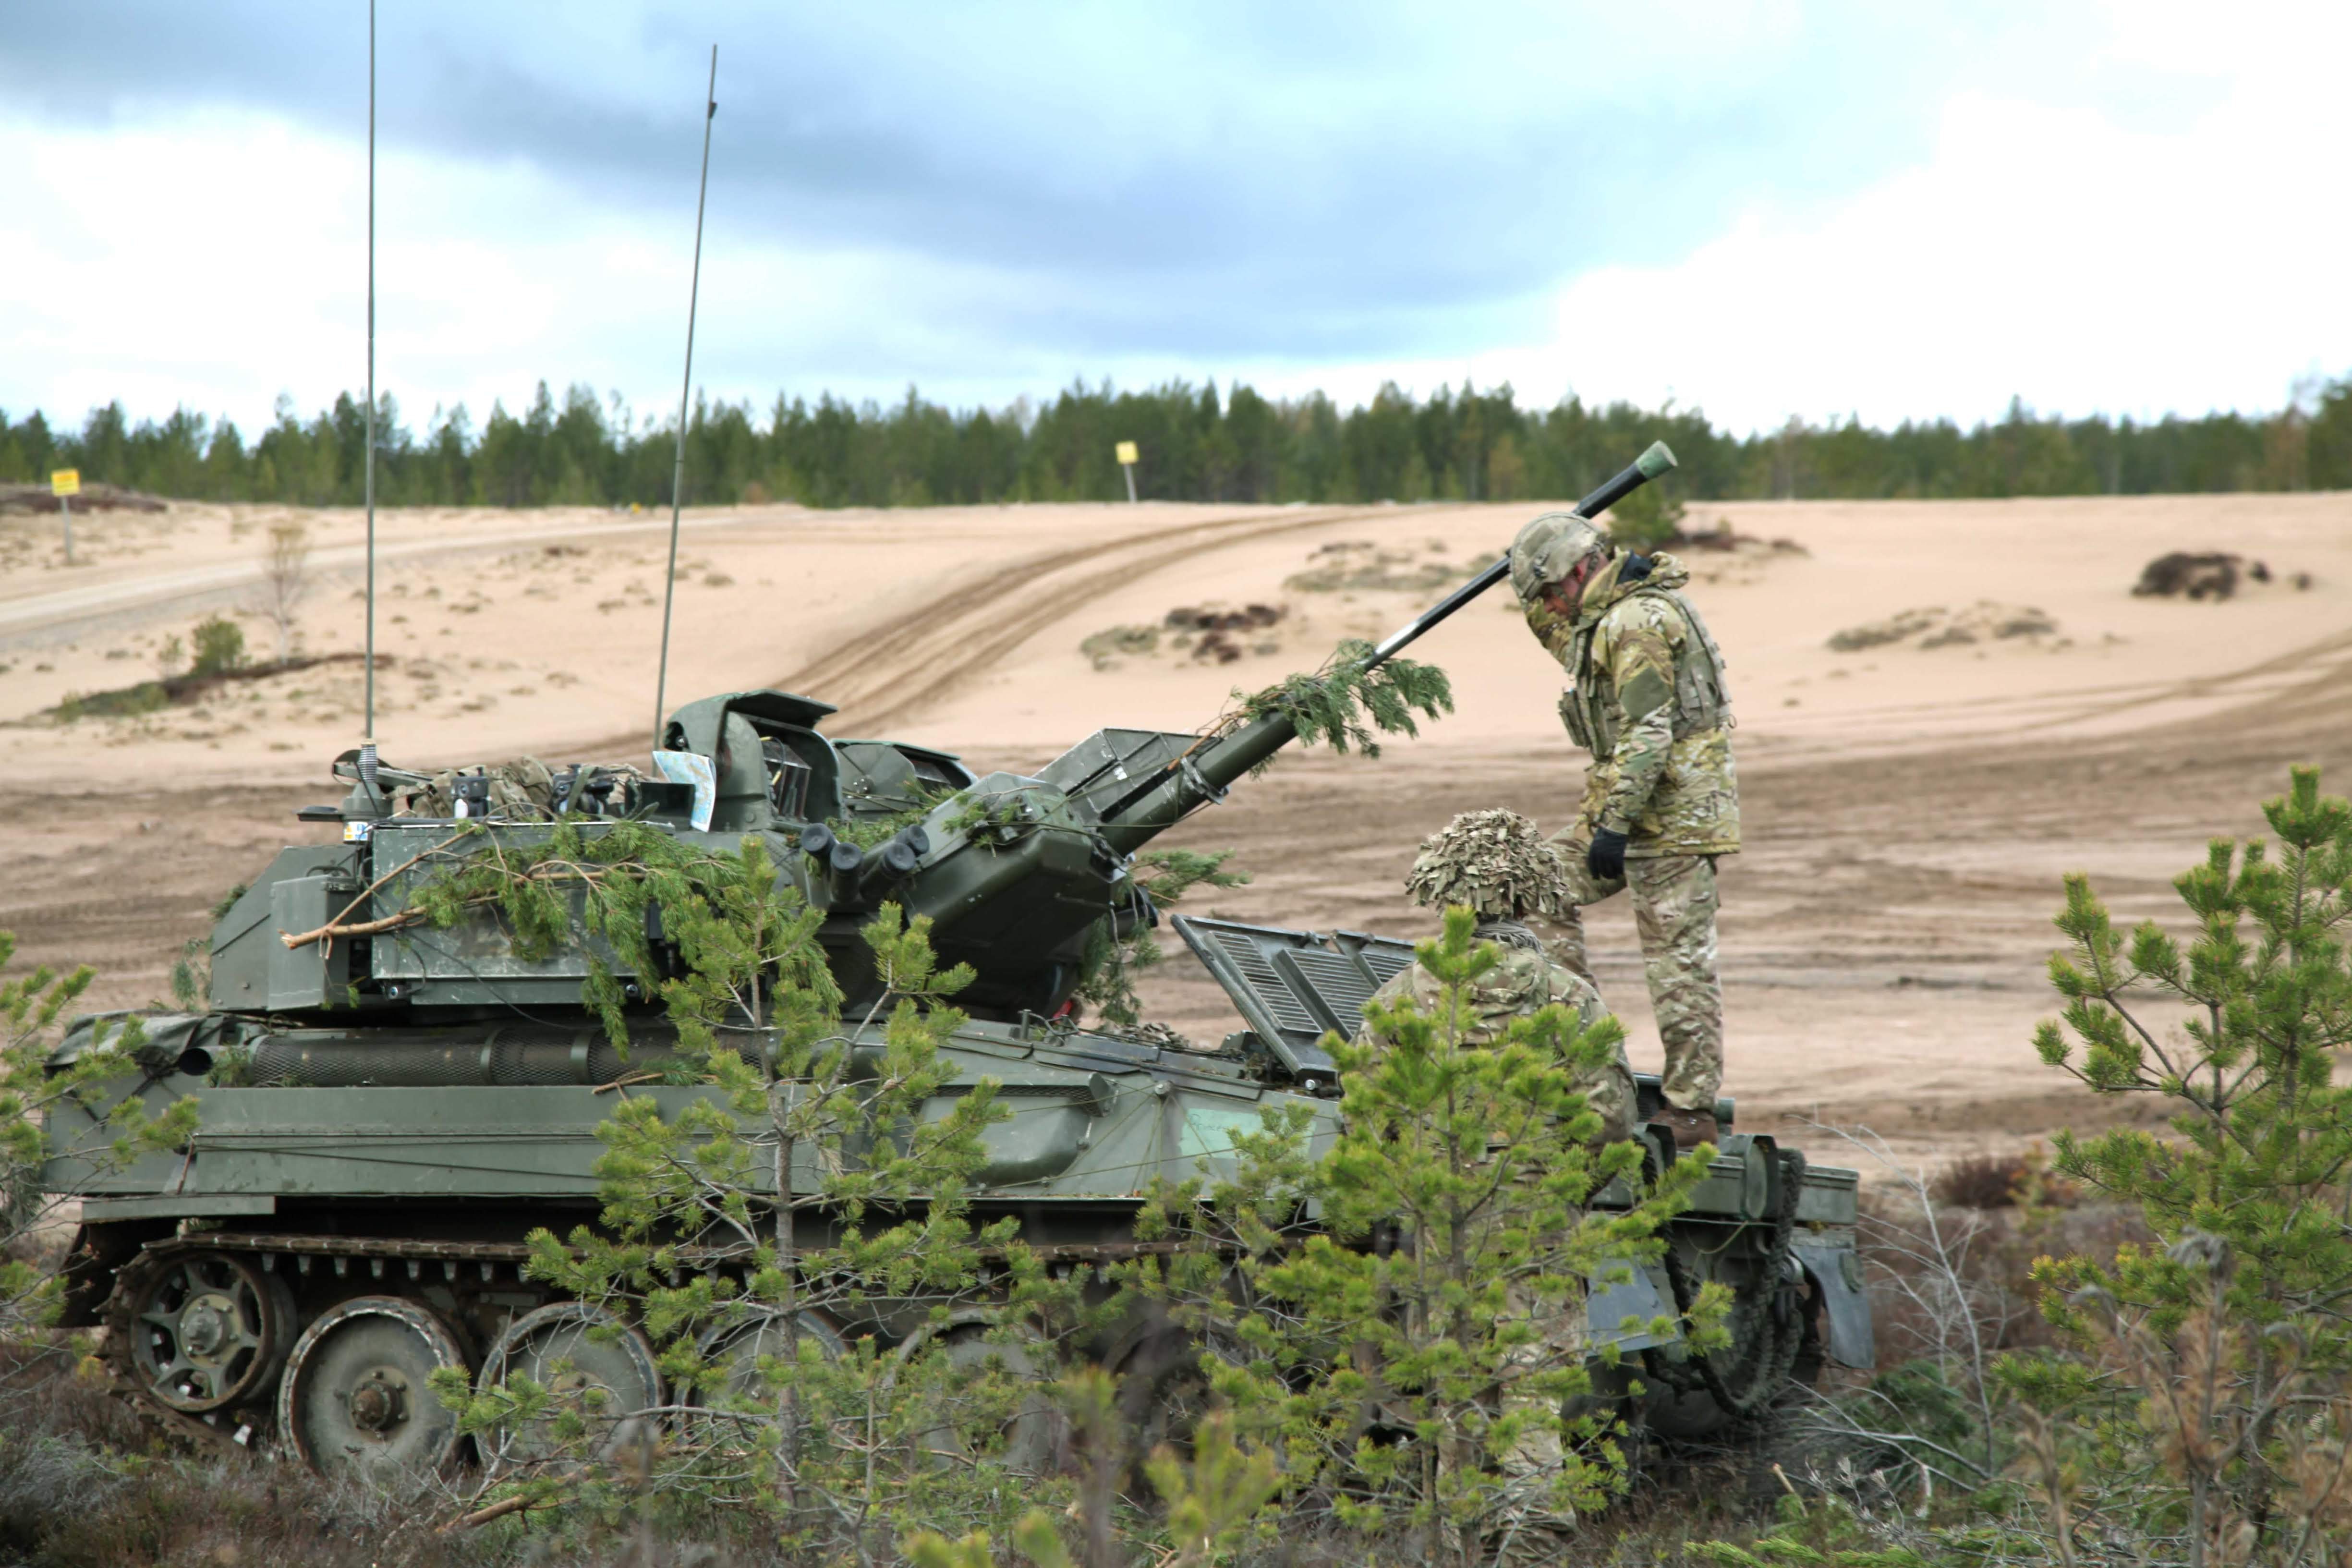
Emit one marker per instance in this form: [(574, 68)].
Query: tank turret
[(1012, 870)]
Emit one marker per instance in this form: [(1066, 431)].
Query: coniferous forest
[(1197, 444)]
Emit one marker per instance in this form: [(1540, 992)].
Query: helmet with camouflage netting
[(1497, 862), (1549, 547)]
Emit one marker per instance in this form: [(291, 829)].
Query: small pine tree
[(1451, 1227), (841, 1441), (219, 647), (2215, 1403), (61, 1110), (1650, 519)]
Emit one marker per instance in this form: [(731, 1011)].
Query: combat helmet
[(1497, 862), (1549, 547)]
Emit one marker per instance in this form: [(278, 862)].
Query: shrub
[(1402, 1351), (219, 647)]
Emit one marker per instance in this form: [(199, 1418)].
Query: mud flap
[(1608, 1303), (1836, 1274)]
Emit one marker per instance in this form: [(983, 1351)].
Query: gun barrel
[(1200, 777), (1203, 775), (1635, 474)]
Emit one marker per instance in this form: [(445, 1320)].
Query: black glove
[(1606, 857)]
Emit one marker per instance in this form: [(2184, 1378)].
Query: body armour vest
[(1701, 702)]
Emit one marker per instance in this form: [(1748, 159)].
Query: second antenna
[(685, 391)]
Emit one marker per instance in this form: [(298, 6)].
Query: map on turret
[(1291, 986)]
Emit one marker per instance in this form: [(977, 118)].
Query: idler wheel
[(607, 1375), (357, 1397), (207, 1330)]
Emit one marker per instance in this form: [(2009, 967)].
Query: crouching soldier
[(1497, 863), (1646, 697)]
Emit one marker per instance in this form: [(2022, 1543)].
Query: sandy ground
[(1910, 805)]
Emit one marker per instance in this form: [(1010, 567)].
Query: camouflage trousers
[(1559, 1340), (1673, 911), (1609, 1091)]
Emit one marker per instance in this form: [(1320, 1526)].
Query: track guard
[(1836, 1274), (1608, 1303)]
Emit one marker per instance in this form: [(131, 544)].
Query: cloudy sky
[(1763, 209)]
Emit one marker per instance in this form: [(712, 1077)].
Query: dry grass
[(85, 1483)]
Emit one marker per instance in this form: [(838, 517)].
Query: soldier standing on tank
[(1647, 698), (1497, 864)]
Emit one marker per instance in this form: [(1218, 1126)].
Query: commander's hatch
[(1293, 986)]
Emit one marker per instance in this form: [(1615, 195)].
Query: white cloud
[(2136, 260), (218, 260), (2043, 252)]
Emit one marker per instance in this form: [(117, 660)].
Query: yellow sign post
[(65, 484), (1127, 460)]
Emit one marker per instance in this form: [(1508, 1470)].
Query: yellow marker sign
[(65, 481), (1126, 451)]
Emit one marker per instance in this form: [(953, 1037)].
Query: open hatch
[(1291, 986)]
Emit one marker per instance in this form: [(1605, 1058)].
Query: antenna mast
[(677, 478), (367, 736)]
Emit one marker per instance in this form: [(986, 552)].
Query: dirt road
[(912, 660)]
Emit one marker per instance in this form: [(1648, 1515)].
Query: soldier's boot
[(1691, 1128)]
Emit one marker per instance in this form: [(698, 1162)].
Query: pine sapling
[(2229, 1345)]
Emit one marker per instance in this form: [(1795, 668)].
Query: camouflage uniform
[(1497, 864), (1522, 984), (1647, 698)]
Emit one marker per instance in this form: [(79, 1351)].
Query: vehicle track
[(884, 675), (2271, 694), (2288, 678)]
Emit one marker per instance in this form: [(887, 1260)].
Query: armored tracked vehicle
[(384, 1117)]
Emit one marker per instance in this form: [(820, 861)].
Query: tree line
[(1197, 444)]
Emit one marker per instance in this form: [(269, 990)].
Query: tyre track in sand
[(883, 675), (2285, 684)]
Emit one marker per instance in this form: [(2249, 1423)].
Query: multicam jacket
[(1647, 698), (1522, 984)]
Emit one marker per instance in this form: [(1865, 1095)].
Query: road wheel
[(1164, 1388), (591, 1361), (734, 1351), (1032, 1435), (207, 1330), (357, 1396)]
